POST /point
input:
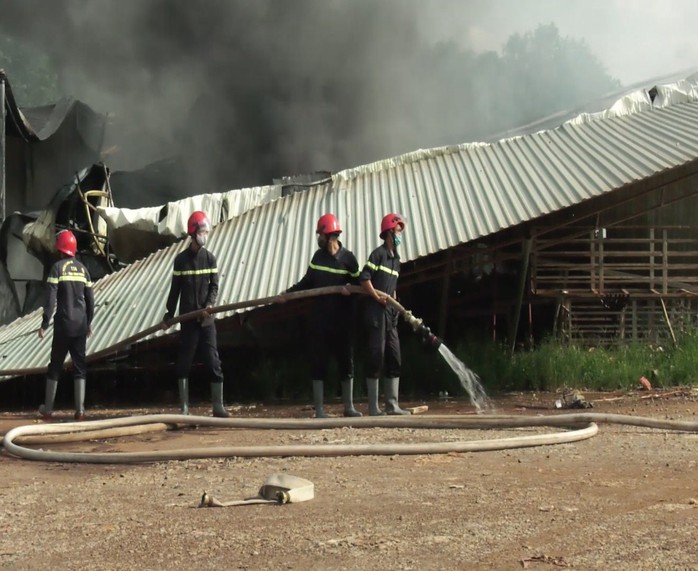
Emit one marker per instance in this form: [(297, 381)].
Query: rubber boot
[(46, 409), (318, 387), (183, 385), (391, 390), (372, 389), (79, 398), (217, 400), (348, 398)]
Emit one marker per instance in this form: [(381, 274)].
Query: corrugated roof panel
[(449, 195)]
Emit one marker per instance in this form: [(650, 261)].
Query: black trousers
[(60, 347), (194, 337), (383, 349), (328, 344)]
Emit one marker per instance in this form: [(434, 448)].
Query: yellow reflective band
[(71, 278), (52, 280), (195, 272), (332, 270), (382, 269)]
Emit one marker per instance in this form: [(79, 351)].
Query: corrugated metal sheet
[(448, 195)]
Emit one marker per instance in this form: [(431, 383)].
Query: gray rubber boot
[(217, 401), (46, 409), (183, 386), (348, 398), (391, 390), (372, 389), (318, 387), (79, 398)]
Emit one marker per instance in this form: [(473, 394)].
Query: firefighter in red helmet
[(332, 317), (194, 286), (379, 278), (70, 295)]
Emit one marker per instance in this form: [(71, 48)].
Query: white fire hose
[(579, 426), (277, 489)]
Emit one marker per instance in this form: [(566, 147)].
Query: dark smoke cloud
[(254, 89)]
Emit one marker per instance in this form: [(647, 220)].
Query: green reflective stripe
[(195, 272), (88, 284), (331, 270), (70, 278), (382, 269), (356, 274), (52, 280)]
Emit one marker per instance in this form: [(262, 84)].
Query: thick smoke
[(245, 91)]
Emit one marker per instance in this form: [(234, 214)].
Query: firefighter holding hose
[(379, 279), (195, 286), (70, 295), (332, 319)]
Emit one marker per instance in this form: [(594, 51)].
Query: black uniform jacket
[(70, 294), (383, 269), (330, 311), (194, 283)]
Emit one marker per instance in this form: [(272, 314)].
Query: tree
[(547, 73)]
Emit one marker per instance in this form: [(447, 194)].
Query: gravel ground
[(625, 499)]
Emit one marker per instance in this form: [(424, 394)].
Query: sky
[(636, 39)]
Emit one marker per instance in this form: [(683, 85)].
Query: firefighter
[(332, 319), (379, 279), (70, 295), (195, 286)]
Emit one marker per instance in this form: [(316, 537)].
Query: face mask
[(201, 239), (397, 240)]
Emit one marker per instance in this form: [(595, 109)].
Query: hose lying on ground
[(583, 426)]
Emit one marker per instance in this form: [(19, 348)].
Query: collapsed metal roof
[(449, 196)]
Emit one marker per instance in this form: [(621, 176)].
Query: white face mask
[(201, 239)]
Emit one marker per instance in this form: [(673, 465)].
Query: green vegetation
[(553, 365), (284, 374)]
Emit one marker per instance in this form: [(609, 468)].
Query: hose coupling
[(414, 322)]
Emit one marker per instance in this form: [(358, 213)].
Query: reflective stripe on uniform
[(69, 278), (195, 272), (378, 268), (334, 270)]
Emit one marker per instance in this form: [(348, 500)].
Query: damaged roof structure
[(465, 205), (38, 147)]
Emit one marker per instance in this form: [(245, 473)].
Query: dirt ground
[(624, 499)]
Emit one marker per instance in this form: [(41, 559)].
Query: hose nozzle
[(429, 340)]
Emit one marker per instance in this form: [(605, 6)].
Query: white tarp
[(134, 233)]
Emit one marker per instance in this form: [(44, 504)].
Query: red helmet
[(391, 221), (328, 224), (66, 242), (197, 221)]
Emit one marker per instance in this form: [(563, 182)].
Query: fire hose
[(579, 426)]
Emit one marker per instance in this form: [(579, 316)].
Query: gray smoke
[(248, 90)]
